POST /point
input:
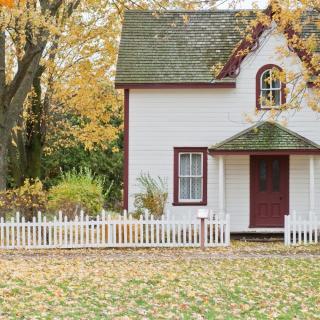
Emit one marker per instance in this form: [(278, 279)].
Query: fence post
[(289, 230), (227, 237), (285, 230), (18, 229), (202, 229), (23, 221)]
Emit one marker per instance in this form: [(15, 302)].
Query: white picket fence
[(301, 230), (104, 231)]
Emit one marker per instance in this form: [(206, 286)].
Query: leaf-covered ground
[(245, 281)]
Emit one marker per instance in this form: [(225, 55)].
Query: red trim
[(299, 49), (176, 152), (262, 153), (126, 152), (258, 85), (232, 68), (187, 85)]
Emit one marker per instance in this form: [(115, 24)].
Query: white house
[(186, 125)]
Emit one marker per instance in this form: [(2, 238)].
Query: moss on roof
[(165, 49), (266, 136)]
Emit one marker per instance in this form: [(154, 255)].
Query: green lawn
[(160, 284)]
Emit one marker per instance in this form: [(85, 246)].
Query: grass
[(240, 283)]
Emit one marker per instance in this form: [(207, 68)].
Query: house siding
[(161, 119)]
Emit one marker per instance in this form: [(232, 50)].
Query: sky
[(246, 4)]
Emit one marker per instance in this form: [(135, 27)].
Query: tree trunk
[(3, 167), (4, 142), (3, 146), (15, 165), (34, 132)]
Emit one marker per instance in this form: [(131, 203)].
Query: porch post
[(221, 185), (311, 184)]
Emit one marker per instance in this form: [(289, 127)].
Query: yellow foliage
[(28, 199)]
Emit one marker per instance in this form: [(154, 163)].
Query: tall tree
[(72, 99), (24, 34)]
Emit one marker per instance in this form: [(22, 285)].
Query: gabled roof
[(165, 49), (266, 136), (179, 46)]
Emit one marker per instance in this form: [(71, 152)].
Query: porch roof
[(266, 137)]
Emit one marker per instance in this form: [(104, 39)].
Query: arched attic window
[(270, 91)]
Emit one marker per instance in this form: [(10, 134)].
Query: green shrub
[(77, 191), (153, 195)]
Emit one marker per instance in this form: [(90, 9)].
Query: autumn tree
[(68, 94), (25, 31), (72, 99)]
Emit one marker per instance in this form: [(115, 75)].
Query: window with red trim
[(270, 91), (190, 176)]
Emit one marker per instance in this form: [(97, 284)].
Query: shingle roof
[(164, 49), (266, 136)]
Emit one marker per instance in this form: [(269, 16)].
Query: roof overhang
[(187, 85), (266, 138), (264, 152)]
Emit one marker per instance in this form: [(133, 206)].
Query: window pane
[(196, 168), (265, 81), (196, 188), (276, 97), (185, 188), (275, 83), (184, 164), (263, 176), (276, 175), (265, 98)]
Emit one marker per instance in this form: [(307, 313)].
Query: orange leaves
[(7, 3)]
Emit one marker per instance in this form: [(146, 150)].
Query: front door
[(269, 179)]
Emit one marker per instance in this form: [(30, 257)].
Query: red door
[(269, 177)]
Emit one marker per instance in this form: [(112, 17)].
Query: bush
[(28, 200), (153, 195), (77, 191), (103, 163)]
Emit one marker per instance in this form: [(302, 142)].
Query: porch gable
[(266, 137)]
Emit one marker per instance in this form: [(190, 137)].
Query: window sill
[(269, 109), (193, 204)]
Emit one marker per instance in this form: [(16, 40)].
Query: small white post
[(311, 184), (39, 224), (221, 185), (18, 228), (227, 230), (81, 227), (23, 221), (60, 228), (103, 227)]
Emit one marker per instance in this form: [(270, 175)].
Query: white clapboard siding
[(301, 230), (161, 119), (105, 231)]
